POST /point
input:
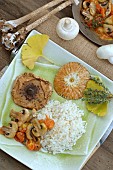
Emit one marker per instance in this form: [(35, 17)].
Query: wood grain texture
[(12, 9)]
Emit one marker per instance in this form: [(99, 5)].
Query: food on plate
[(71, 80), (105, 52), (68, 128), (30, 91), (26, 128), (48, 122), (32, 49), (22, 116), (98, 16), (97, 96), (10, 130), (54, 128)]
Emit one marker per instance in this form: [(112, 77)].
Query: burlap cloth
[(80, 46)]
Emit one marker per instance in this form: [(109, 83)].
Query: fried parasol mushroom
[(31, 91)]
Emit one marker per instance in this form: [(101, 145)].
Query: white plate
[(42, 161)]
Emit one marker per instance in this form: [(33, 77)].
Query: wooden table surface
[(11, 9)]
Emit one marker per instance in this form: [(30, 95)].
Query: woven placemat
[(80, 46)]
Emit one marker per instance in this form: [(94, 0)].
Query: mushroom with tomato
[(10, 131)]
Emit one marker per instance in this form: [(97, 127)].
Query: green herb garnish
[(96, 96), (93, 95)]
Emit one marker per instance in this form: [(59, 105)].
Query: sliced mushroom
[(21, 117), (101, 1), (87, 14), (34, 113), (10, 131), (39, 128), (109, 20), (36, 128), (37, 139), (100, 30), (15, 115), (37, 144), (92, 8), (104, 4), (86, 4), (36, 132), (43, 129), (36, 123), (29, 131), (26, 115), (108, 28), (108, 10)]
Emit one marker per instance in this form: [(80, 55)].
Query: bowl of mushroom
[(95, 18)]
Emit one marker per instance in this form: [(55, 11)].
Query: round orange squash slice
[(71, 80)]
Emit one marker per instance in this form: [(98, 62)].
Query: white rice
[(69, 126)]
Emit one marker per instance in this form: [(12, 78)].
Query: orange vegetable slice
[(71, 80)]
